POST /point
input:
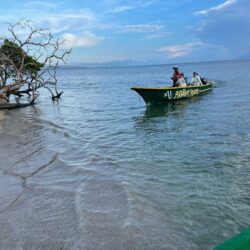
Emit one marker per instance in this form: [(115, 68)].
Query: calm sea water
[(99, 170)]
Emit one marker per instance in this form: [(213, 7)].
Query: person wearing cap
[(176, 75), (196, 80)]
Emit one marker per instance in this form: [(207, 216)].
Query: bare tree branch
[(30, 60)]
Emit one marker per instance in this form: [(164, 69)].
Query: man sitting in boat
[(196, 80), (176, 75), (181, 82)]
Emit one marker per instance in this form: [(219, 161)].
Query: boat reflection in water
[(161, 115), (173, 108), (164, 110)]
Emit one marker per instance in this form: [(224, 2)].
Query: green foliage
[(12, 54)]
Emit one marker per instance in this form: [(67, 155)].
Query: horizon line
[(108, 64)]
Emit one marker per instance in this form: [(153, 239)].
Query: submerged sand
[(2, 117)]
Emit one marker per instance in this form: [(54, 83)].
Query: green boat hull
[(239, 242), (170, 94)]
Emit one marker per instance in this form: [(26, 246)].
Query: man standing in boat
[(176, 75)]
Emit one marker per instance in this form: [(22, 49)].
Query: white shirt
[(181, 82), (196, 81)]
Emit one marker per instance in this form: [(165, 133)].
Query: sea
[(100, 170)]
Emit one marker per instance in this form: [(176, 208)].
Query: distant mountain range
[(110, 64), (126, 63)]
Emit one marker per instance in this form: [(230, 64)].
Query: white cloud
[(157, 35), (180, 50), (86, 39), (146, 4), (40, 4), (141, 28), (219, 7), (111, 6), (67, 21), (56, 22), (122, 9), (228, 29)]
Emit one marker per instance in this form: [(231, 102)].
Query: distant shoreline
[(121, 64)]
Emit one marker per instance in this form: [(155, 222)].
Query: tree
[(12, 57), (29, 58)]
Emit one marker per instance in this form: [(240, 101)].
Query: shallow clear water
[(99, 170)]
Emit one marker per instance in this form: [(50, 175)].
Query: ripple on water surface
[(99, 170)]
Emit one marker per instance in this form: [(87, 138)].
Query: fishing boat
[(155, 95), (238, 242)]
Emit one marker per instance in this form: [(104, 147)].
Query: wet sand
[(2, 117)]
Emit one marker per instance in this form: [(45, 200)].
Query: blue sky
[(147, 31)]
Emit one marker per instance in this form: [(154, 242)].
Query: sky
[(141, 31)]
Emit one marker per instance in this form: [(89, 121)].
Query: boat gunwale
[(210, 84)]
